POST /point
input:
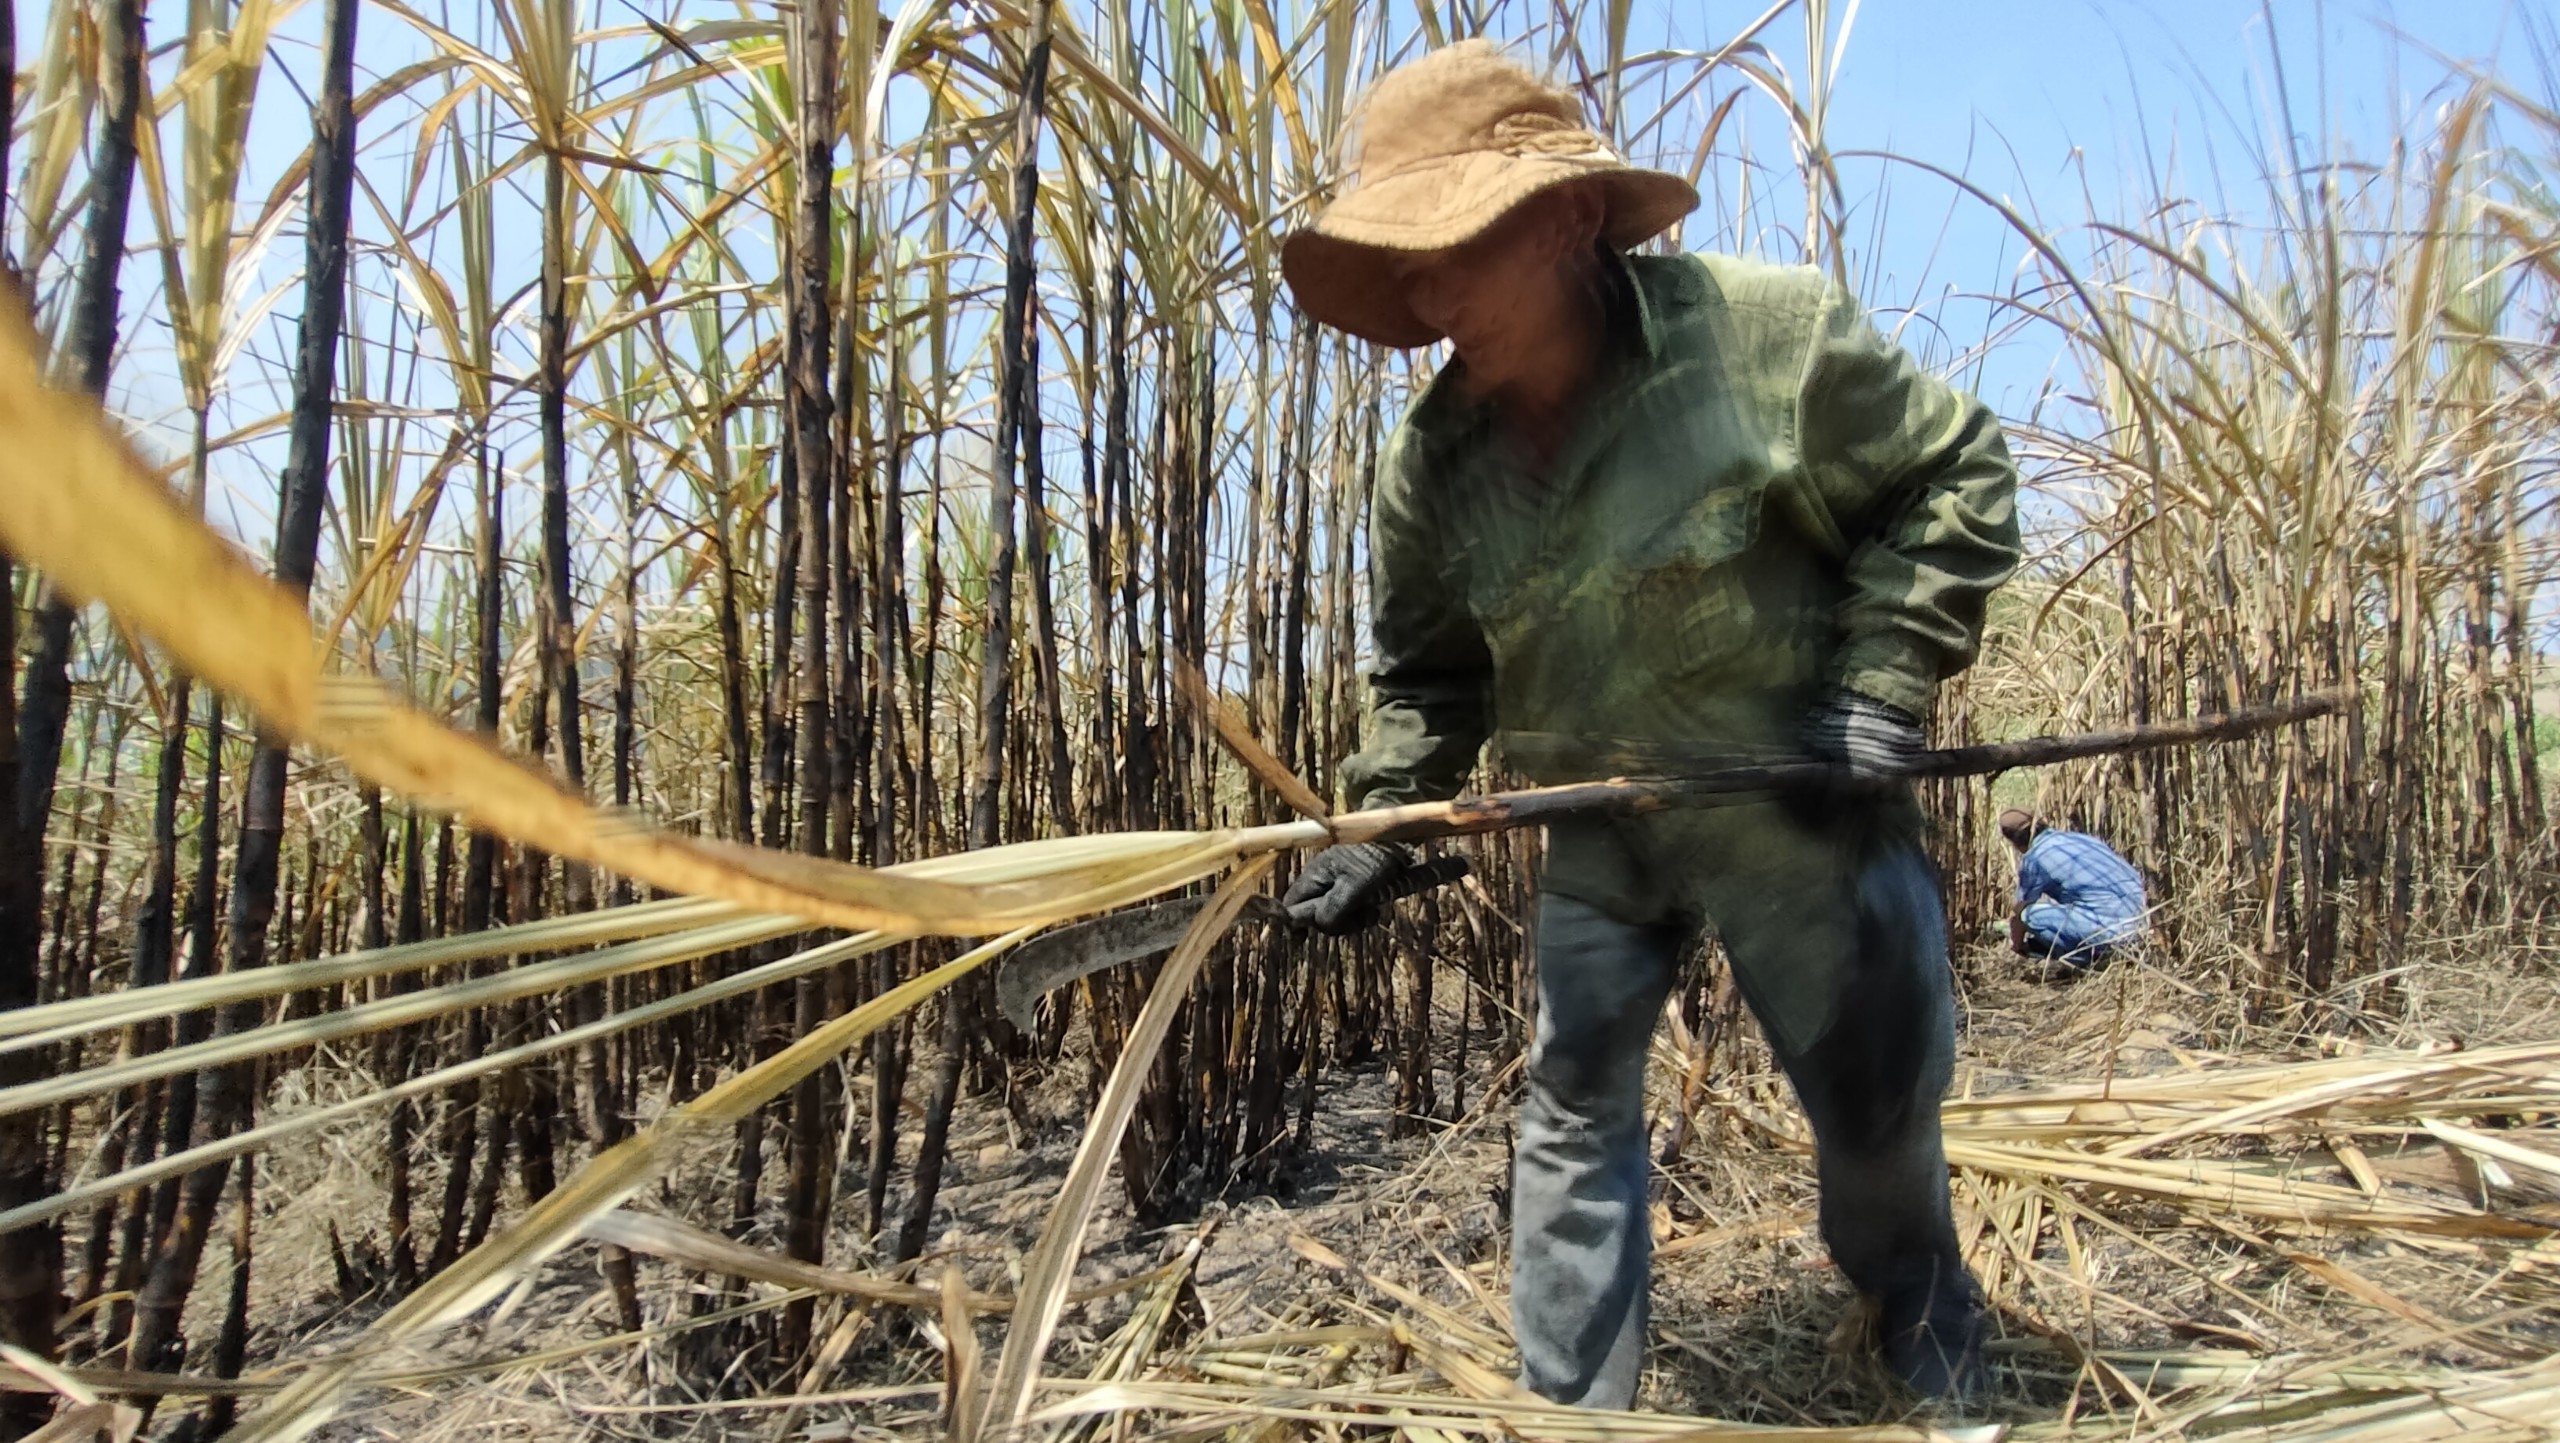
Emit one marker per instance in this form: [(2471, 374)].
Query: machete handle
[(1428, 876)]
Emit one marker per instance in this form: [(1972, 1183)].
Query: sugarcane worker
[(2079, 900), (1683, 506)]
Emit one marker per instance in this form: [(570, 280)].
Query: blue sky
[(2040, 101), (2033, 99), (2050, 76)]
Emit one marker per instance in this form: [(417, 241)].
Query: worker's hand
[(1876, 742), (1340, 891)]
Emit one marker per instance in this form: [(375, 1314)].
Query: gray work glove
[(1341, 891), (1876, 742)]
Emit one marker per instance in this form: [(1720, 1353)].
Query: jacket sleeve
[(1917, 477), (1430, 708)]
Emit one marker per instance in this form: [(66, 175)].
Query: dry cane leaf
[(87, 1420), (960, 1391), (90, 1423), (75, 502), (2357, 1165), (1318, 1254), (2364, 1290), (2493, 1147), (1779, 1225), (488, 1271), (1052, 1261), (706, 1251), (410, 1007), (68, 1017), (294, 1124), (1247, 748)]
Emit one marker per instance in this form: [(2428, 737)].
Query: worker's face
[(1499, 296)]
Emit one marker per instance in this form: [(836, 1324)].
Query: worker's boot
[(1931, 1332)]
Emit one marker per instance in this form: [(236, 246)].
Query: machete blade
[(1052, 961), (1046, 963)]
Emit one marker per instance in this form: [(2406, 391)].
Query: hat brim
[(1342, 268)]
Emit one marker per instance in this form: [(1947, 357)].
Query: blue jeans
[(1870, 1085), (2069, 934)]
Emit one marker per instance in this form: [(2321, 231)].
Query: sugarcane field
[(1826, 721)]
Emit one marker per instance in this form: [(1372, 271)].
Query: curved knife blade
[(1055, 959), (1048, 962)]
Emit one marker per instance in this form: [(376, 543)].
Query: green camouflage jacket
[(1762, 498)]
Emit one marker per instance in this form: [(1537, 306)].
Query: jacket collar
[(1446, 419)]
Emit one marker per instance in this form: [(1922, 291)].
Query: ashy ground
[(2191, 1222)]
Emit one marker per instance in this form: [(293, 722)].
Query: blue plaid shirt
[(2074, 892)]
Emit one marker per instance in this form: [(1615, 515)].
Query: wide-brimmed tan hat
[(1440, 150)]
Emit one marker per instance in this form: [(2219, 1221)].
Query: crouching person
[(2079, 900), (1695, 505)]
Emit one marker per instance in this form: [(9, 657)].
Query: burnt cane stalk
[(1047, 673), (600, 1110), (1671, 786), (399, 1219), (227, 1099), (1016, 390), (31, 1260), (460, 1133), (144, 1231), (775, 780), (810, 1183)]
